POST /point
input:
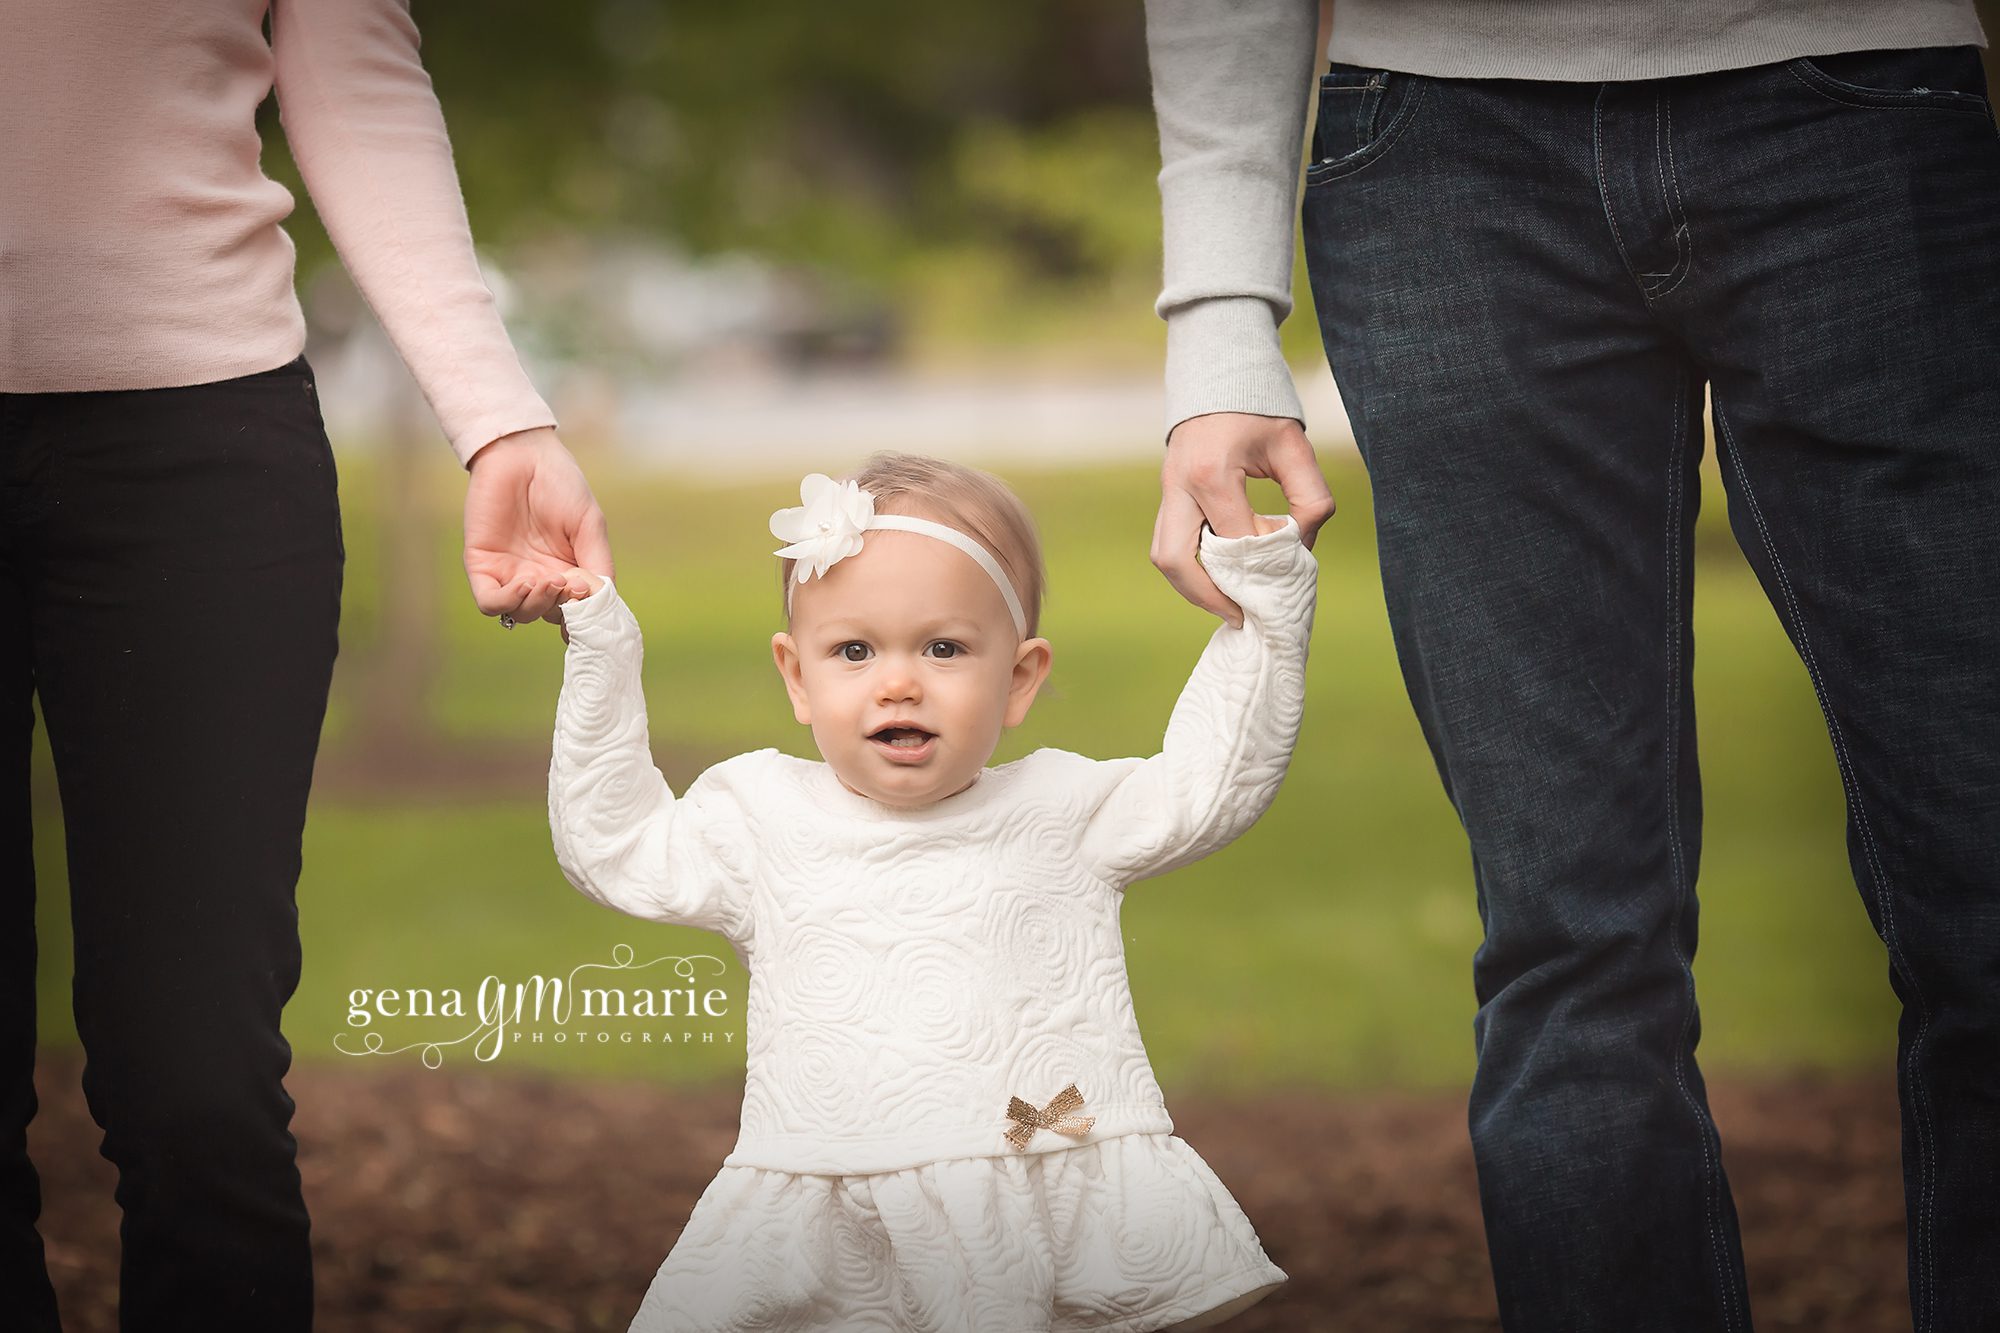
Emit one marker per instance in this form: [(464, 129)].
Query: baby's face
[(903, 660)]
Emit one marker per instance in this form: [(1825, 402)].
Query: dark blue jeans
[(172, 563), (1523, 288)]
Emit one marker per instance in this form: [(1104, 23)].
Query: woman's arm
[(1231, 85), (1230, 739), (621, 836), (369, 139)]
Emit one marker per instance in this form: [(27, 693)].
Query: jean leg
[(1853, 323), (1532, 438), (24, 1273), (185, 636)]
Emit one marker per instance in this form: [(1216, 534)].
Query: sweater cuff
[(469, 437), (1223, 356), (599, 620), (1272, 576)]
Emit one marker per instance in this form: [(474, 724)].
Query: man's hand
[(1209, 459), (529, 519)]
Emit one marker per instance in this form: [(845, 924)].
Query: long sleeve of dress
[(370, 142), (621, 836), (1229, 741), (1231, 86)]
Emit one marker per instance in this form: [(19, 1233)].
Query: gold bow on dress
[(1056, 1115)]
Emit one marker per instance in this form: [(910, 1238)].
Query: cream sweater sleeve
[(1232, 80), (621, 836), (366, 131), (1229, 741)]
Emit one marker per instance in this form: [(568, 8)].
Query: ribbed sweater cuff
[(468, 437), (1223, 356)]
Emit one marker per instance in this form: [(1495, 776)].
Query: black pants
[(172, 569), (1523, 289)]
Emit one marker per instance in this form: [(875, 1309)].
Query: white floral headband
[(828, 528)]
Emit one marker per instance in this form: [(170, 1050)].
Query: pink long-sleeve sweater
[(140, 244)]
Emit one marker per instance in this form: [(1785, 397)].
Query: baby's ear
[(1031, 668)]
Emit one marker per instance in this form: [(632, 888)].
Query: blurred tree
[(831, 134), (915, 151)]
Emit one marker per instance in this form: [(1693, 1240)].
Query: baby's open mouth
[(909, 738)]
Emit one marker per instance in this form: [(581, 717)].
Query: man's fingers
[(1296, 470), (1218, 493), (1176, 540)]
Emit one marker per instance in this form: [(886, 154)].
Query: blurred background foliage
[(984, 173), (956, 184)]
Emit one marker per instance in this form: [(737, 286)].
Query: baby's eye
[(853, 651), (951, 649)]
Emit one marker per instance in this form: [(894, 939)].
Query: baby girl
[(949, 1120)]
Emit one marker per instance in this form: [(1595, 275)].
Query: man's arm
[(1231, 84)]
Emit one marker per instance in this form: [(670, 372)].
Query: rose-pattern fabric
[(914, 972)]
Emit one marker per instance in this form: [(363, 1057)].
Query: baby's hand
[(1265, 523), (578, 583)]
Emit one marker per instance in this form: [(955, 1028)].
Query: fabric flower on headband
[(826, 528)]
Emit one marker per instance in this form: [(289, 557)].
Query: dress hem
[(1270, 1276)]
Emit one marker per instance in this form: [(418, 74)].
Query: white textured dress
[(914, 974)]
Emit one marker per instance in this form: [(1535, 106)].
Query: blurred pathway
[(752, 427), (752, 424), (461, 1201)]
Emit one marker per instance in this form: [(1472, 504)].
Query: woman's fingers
[(517, 593), (541, 598), (525, 503), (491, 594)]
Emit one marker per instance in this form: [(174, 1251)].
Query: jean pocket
[(1362, 112), (1936, 78)]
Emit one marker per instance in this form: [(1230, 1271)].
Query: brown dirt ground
[(481, 1203)]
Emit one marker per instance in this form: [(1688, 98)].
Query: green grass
[(1331, 945)]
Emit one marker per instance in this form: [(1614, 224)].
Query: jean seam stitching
[(1366, 107), (1884, 899), (1835, 93), (1676, 486), (1676, 208), (1671, 278), (1357, 162), (1604, 189)]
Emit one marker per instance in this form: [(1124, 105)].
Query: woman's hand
[(1209, 459), (530, 519)]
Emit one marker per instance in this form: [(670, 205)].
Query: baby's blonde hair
[(977, 503)]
